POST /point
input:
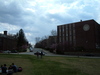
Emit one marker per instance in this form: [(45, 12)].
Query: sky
[(38, 18)]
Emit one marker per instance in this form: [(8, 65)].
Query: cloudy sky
[(38, 17)]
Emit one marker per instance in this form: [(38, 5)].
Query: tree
[(37, 39), (21, 39), (54, 33)]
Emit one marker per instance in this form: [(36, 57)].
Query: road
[(47, 53)]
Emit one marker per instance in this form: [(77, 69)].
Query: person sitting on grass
[(14, 67), (10, 70), (1, 69), (4, 69)]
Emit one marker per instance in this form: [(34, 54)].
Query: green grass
[(52, 65)]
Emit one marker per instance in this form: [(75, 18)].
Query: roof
[(78, 22), (4, 36)]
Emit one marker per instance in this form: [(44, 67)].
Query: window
[(74, 40), (66, 32), (63, 34), (59, 39), (70, 26), (63, 39), (63, 28), (74, 37), (0, 39), (70, 30), (66, 27), (0, 43), (73, 25), (59, 31), (73, 29), (70, 38), (73, 32), (66, 38)]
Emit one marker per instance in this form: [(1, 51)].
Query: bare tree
[(54, 33), (37, 39)]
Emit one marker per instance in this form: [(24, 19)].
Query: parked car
[(31, 49), (89, 55), (14, 51), (7, 51), (1, 51), (39, 53)]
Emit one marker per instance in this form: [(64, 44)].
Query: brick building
[(84, 35), (7, 42)]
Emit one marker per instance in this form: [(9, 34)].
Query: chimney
[(5, 33), (80, 20)]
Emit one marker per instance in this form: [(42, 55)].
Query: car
[(14, 51), (1, 51), (89, 55), (31, 49), (7, 51), (39, 53)]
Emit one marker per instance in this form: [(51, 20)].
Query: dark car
[(14, 51), (39, 53), (1, 51), (89, 55)]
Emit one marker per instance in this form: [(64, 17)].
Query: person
[(37, 53), (14, 67), (4, 69), (10, 67), (1, 69), (41, 54), (10, 70)]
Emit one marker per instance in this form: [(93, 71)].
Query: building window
[(70, 30), (66, 27), (0, 43), (63, 29), (74, 37), (70, 38), (73, 29), (59, 39), (73, 25), (74, 40), (0, 39), (59, 31), (66, 32), (63, 34), (63, 39), (66, 38), (69, 26), (73, 32)]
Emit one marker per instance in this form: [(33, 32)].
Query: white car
[(7, 51)]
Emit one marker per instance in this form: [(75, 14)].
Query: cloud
[(9, 27), (38, 17)]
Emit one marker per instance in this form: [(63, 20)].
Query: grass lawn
[(52, 65)]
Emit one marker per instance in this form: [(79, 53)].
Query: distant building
[(83, 34), (7, 42)]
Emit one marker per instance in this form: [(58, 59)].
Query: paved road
[(47, 53)]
